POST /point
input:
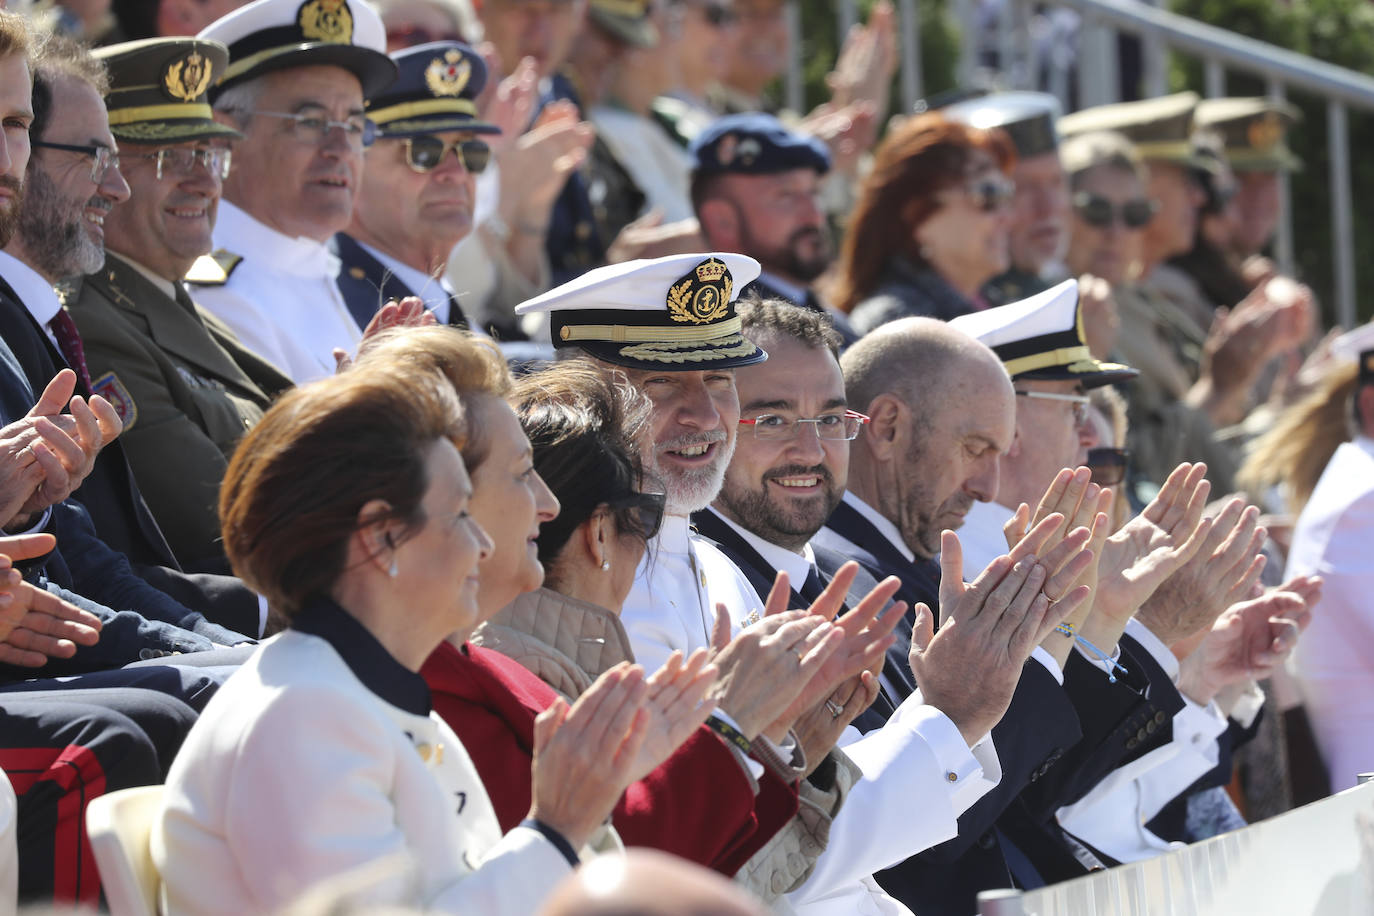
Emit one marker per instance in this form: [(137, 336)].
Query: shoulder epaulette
[(213, 269)]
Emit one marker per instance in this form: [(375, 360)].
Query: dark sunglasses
[(641, 513), (1108, 465), (408, 35), (991, 193), (424, 153), (1098, 211)]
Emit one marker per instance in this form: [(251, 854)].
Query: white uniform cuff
[(1045, 658)]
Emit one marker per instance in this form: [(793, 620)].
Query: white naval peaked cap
[(673, 313), (1042, 338), (268, 35)]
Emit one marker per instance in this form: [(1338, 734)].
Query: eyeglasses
[(425, 153), (991, 192), (103, 159), (181, 161), (314, 127), (641, 513), (1108, 465), (830, 426), (1079, 402), (718, 15), (1096, 210)]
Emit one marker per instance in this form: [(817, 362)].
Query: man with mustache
[(181, 381), (420, 185), (296, 88), (756, 190)]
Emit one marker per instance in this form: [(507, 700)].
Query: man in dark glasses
[(181, 382), (1040, 208), (420, 183)]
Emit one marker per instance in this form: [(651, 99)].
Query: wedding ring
[(836, 710)]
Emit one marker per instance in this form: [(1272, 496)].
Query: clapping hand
[(970, 668), (35, 624), (1225, 569), (677, 703)]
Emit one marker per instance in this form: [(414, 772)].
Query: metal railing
[(1022, 60)]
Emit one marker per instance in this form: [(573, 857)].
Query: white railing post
[(966, 14), (794, 90), (1342, 223), (909, 32), (846, 14), (1001, 903), (1283, 238), (1154, 77), (1214, 78)]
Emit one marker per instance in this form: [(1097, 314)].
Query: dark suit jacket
[(188, 390), (86, 572), (116, 509), (1054, 743), (760, 575), (366, 284)]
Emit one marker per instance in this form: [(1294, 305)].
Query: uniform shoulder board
[(213, 269)]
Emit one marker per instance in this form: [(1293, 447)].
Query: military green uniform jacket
[(186, 390)]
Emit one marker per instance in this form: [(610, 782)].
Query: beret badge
[(1265, 132)]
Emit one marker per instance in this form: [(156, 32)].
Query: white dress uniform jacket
[(672, 604), (300, 773), (1334, 660), (281, 299)]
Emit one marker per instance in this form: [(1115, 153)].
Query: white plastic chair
[(119, 825)]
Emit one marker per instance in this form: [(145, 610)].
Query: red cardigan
[(698, 805)]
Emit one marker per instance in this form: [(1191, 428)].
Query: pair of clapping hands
[(46, 454), (1193, 581)]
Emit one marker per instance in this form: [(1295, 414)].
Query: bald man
[(646, 882)]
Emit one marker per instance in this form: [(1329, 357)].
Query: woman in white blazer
[(318, 767)]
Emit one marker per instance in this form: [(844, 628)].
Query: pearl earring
[(393, 572), (605, 565)]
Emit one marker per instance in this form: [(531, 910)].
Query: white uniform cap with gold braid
[(268, 35), (673, 313), (1357, 346), (1042, 338)]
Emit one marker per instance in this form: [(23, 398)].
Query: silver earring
[(393, 572), (605, 565)]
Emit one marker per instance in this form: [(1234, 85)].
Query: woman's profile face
[(510, 501), (1102, 242), (967, 238), (437, 566)]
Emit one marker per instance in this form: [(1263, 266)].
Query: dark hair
[(585, 428), (298, 480), (136, 18), (473, 365), (804, 325), (925, 155), (58, 57)]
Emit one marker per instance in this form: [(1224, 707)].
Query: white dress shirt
[(676, 589), (283, 300), (34, 291), (433, 291), (1334, 660)]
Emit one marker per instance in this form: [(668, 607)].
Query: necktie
[(813, 586), (69, 342)]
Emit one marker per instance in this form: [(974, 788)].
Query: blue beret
[(755, 144)]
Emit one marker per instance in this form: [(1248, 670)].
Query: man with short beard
[(756, 190)]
